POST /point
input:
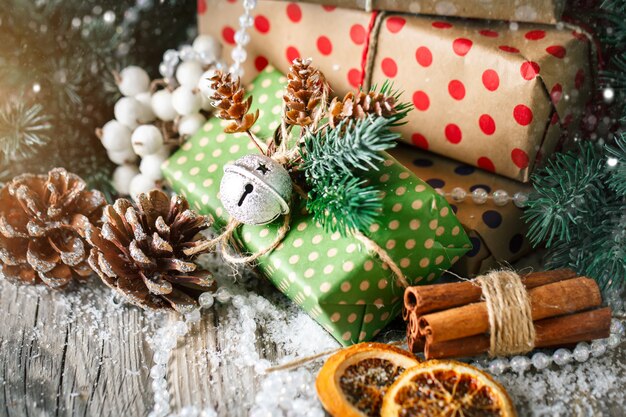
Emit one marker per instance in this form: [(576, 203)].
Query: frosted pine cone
[(356, 106), (38, 238), (139, 251), (306, 93), (230, 100)]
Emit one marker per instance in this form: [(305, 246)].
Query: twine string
[(511, 329)]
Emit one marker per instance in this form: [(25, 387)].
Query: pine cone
[(358, 106), (229, 99), (139, 251), (38, 238), (306, 89)]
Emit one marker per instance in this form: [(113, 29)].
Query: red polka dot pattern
[(489, 33), (461, 46), (395, 24), (507, 48), (442, 25), (529, 70), (535, 35), (354, 77), (292, 53), (294, 13), (262, 24), (358, 34), (556, 93), (419, 140), (424, 56), (491, 80), (421, 100), (486, 164), (228, 34), (389, 67), (201, 6), (487, 124), (523, 115), (453, 133), (260, 63), (329, 8), (519, 158), (456, 89), (557, 51), (324, 45)]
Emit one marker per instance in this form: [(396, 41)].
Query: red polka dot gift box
[(494, 95), (538, 11), (497, 233)]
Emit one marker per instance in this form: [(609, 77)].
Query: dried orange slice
[(447, 389), (353, 381)]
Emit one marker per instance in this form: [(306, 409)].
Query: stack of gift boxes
[(492, 98)]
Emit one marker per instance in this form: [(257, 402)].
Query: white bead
[(206, 300), (150, 166), (562, 356), (498, 366), (520, 199), (208, 46), (157, 371), (162, 105), (249, 4), (161, 357), (520, 364), (170, 56), (186, 100), (122, 176), (223, 295), (141, 184), (193, 317), (133, 80), (147, 140), (129, 111), (581, 352), (146, 101), (617, 327), (242, 37), (238, 54), (187, 53), (541, 360), (246, 21), (500, 198), (188, 125), (458, 194), (479, 196), (115, 136), (127, 156), (204, 84), (181, 328), (598, 347), (188, 73), (613, 341)]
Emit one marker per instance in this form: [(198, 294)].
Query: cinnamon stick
[(552, 332), (428, 298), (550, 300)]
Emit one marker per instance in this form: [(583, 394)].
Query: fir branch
[(568, 191), (352, 146), (616, 165), (23, 130), (344, 205)]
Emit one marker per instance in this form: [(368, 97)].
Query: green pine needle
[(568, 191), (23, 130), (344, 205), (617, 156), (352, 146)]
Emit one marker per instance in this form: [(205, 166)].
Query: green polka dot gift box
[(346, 289)]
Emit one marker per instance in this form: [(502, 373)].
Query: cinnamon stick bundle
[(450, 320)]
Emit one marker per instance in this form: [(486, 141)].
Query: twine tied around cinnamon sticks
[(511, 329)]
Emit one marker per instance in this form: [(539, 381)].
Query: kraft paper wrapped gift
[(538, 11), (349, 291), (485, 94), (497, 233)]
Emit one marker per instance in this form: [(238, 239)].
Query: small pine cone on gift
[(139, 251), (39, 241), (357, 106), (229, 99), (306, 93)]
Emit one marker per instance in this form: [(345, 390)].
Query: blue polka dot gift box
[(343, 286), (497, 233)]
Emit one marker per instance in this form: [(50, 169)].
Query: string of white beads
[(242, 38), (481, 196)]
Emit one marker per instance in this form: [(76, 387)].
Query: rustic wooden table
[(81, 355)]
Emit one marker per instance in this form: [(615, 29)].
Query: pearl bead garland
[(242, 38), (560, 357), (481, 196)]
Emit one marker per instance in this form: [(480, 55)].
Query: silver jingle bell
[(255, 189)]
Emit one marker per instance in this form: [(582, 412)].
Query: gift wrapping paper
[(494, 95), (497, 233), (538, 11), (342, 286)]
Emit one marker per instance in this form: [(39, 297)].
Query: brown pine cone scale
[(229, 98), (139, 251), (306, 90), (357, 106)]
